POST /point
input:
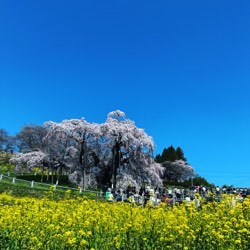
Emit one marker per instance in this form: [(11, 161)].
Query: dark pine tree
[(158, 158), (164, 155), (180, 154), (170, 154)]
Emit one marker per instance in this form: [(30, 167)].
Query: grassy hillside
[(23, 189)]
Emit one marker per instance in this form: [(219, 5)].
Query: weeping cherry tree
[(130, 151), (74, 144)]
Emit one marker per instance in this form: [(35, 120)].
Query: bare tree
[(4, 137), (31, 138)]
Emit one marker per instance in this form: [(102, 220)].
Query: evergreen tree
[(158, 158), (164, 155), (180, 154), (170, 154)]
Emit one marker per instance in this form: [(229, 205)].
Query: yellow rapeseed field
[(30, 223)]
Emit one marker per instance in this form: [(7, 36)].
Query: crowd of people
[(133, 195), (169, 195)]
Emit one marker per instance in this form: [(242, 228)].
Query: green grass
[(23, 189), (63, 180), (22, 185)]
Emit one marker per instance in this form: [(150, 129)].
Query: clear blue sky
[(179, 69)]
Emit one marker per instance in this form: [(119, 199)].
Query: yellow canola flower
[(84, 224), (83, 242)]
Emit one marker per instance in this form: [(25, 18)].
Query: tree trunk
[(58, 175), (42, 174), (82, 162), (116, 164), (84, 179), (52, 177), (48, 174)]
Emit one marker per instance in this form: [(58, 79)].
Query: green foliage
[(158, 158), (201, 181), (196, 181), (170, 154), (180, 154), (5, 166), (40, 191)]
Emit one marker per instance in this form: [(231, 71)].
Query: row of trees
[(114, 153), (171, 154)]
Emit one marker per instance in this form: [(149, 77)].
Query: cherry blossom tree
[(68, 146), (27, 161), (129, 150), (178, 170), (74, 144)]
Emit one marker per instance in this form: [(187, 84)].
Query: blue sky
[(179, 69)]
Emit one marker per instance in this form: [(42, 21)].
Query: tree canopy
[(116, 152)]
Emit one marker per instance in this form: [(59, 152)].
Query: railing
[(33, 184)]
